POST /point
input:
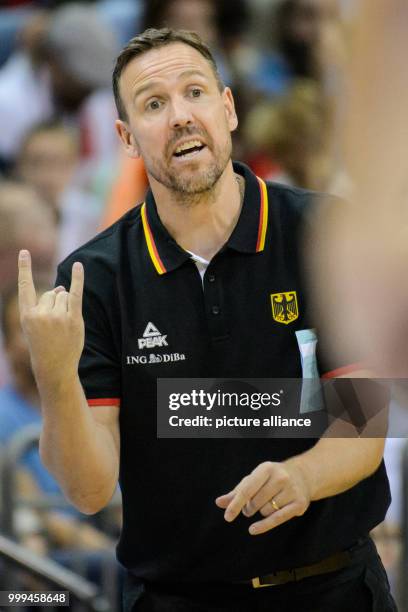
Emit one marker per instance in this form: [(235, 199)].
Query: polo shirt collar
[(248, 235)]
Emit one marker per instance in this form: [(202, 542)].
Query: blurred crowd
[(63, 176)]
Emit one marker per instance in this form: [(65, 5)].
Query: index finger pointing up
[(27, 297), (77, 288)]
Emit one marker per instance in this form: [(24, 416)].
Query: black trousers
[(362, 587)]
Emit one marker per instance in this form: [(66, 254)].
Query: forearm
[(79, 452), (334, 465), (68, 532)]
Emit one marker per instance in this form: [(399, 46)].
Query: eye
[(153, 105), (196, 92)]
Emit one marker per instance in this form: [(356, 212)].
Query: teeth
[(189, 145)]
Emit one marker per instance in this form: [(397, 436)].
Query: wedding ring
[(274, 505)]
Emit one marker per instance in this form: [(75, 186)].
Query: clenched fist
[(53, 325)]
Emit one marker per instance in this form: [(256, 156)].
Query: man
[(192, 536), (64, 71), (25, 220), (49, 160)]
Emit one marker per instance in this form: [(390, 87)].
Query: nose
[(180, 114)]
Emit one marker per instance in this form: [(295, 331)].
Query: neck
[(201, 223)]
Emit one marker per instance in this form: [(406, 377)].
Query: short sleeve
[(99, 367)]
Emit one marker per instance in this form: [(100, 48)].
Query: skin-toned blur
[(17, 352), (361, 250), (25, 220), (172, 96), (195, 15), (47, 161)]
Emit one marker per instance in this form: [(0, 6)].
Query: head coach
[(227, 525)]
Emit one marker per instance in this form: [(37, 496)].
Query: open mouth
[(188, 149)]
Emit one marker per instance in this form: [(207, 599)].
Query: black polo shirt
[(144, 297)]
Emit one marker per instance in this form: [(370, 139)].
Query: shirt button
[(215, 310), (211, 278)]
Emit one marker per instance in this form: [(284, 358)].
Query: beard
[(197, 177)]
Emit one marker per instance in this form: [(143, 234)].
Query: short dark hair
[(153, 39)]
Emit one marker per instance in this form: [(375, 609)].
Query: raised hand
[(53, 325)]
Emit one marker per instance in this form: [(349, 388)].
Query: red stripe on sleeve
[(104, 401), (353, 367)]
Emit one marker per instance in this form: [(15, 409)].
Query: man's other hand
[(278, 491)]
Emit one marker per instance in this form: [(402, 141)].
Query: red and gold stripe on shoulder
[(151, 245), (263, 215)]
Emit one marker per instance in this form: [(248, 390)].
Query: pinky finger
[(274, 520), (61, 301)]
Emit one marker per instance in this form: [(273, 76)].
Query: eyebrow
[(152, 84)]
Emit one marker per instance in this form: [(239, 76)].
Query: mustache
[(182, 133)]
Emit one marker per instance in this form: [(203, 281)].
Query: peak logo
[(152, 337)]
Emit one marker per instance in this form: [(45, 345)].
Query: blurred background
[(63, 178)]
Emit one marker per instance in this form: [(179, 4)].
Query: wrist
[(307, 473), (54, 389)]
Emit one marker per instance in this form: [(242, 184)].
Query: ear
[(229, 106), (127, 138)]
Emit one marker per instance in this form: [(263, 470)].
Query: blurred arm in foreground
[(360, 251)]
